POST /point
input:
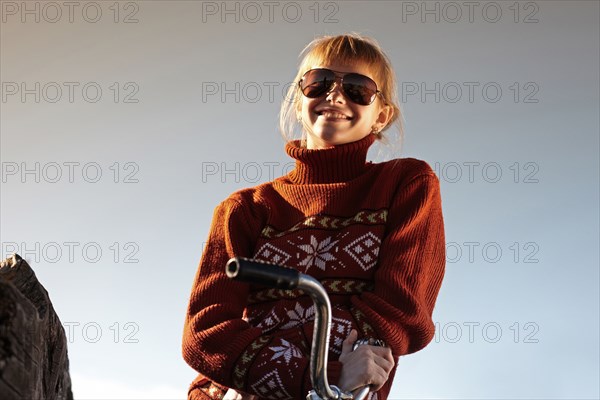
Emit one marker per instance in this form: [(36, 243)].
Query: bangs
[(343, 49)]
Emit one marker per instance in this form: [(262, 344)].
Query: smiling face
[(333, 119)]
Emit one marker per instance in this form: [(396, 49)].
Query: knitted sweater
[(372, 233)]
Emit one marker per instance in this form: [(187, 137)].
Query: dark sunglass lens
[(316, 82), (357, 94), (359, 88)]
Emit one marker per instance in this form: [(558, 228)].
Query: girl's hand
[(235, 395), (367, 365)]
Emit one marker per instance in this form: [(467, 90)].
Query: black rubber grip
[(262, 273)]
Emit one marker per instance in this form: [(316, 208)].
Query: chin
[(331, 137)]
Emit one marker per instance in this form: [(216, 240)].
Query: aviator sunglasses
[(358, 88)]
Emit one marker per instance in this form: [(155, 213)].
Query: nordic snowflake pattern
[(271, 386), (269, 323), (270, 253), (299, 315), (331, 246), (318, 253), (287, 350), (340, 329), (364, 250)]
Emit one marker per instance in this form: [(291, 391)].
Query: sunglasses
[(358, 88)]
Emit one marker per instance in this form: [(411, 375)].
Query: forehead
[(356, 67)]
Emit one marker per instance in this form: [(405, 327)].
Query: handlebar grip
[(262, 273)]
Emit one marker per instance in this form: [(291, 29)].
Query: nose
[(336, 92)]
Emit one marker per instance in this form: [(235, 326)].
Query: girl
[(372, 233)]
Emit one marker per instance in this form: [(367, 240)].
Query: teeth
[(330, 114)]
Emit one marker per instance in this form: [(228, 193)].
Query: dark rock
[(33, 345)]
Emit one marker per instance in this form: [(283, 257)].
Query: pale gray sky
[(120, 136)]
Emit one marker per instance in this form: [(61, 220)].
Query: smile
[(333, 115)]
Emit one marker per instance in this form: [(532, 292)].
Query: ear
[(298, 108), (386, 112)]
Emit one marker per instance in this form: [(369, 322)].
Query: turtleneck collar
[(339, 163)]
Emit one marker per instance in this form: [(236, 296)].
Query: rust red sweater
[(372, 233)]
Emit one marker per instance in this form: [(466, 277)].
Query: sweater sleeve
[(217, 341), (411, 268)]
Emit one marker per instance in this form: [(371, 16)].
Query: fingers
[(349, 342), (235, 395), (370, 373), (380, 356), (367, 365), (378, 377), (386, 359), (385, 363), (377, 362)]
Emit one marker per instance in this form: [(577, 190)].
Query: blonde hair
[(348, 49)]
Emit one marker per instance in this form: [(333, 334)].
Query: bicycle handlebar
[(281, 277), (262, 273)]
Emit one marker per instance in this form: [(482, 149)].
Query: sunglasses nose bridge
[(336, 91), (336, 85)]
